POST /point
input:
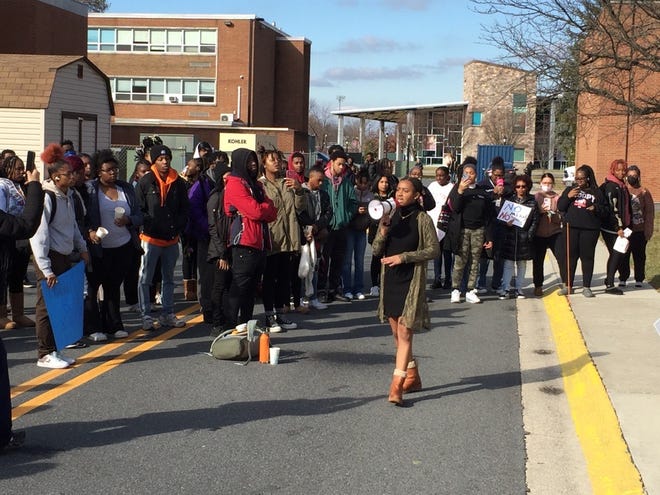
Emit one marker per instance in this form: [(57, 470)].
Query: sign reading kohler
[(228, 142)]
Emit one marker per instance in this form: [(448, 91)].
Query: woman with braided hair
[(14, 255)]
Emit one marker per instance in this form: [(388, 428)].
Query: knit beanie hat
[(159, 150)]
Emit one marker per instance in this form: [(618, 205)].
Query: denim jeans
[(520, 269), (168, 256), (356, 244)]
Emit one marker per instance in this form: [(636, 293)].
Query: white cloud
[(374, 44), (371, 73), (406, 4)]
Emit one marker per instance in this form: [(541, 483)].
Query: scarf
[(335, 180)]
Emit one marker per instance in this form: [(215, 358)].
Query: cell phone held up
[(29, 163)]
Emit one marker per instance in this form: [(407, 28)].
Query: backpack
[(53, 202), (235, 345)]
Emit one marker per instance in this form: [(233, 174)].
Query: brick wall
[(37, 28), (488, 88)]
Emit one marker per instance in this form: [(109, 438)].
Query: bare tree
[(499, 127), (606, 48), (322, 124), (95, 5)]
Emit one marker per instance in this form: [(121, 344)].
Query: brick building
[(231, 80), (49, 90), (499, 108), (606, 131)]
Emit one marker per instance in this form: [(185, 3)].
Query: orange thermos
[(264, 348)]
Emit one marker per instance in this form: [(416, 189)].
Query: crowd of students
[(242, 225)]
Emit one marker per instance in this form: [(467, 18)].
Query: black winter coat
[(516, 242), (163, 219)]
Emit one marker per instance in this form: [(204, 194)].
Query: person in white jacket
[(440, 189), (56, 238)]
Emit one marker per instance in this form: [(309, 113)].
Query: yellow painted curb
[(609, 463)]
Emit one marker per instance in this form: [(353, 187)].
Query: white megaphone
[(377, 208)]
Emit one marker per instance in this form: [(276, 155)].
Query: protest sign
[(515, 212), (64, 302)]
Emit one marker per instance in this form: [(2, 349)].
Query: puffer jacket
[(516, 242)]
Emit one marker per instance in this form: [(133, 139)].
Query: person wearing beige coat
[(407, 241), (290, 200)]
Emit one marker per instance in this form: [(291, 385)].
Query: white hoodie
[(61, 234)]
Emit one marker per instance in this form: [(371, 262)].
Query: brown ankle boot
[(413, 381), (396, 387), (17, 311), (5, 322), (190, 289)]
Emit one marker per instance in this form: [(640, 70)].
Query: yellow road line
[(609, 463), (89, 356), (97, 371), (86, 358)]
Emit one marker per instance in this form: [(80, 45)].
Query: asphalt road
[(165, 418)]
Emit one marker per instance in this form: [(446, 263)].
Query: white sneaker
[(348, 295), (520, 295), (375, 291), (148, 323), (120, 334), (98, 337), (455, 296), (359, 296), (52, 361), (316, 304), (170, 320), (472, 297), (68, 360)]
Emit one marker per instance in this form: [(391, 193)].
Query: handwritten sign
[(515, 212)]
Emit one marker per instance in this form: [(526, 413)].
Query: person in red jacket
[(250, 210)]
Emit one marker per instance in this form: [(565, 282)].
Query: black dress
[(403, 237)]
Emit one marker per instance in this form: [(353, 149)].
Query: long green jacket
[(285, 230), (415, 310)]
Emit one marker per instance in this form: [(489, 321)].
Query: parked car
[(569, 176)]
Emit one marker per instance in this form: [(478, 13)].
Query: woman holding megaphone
[(406, 241)]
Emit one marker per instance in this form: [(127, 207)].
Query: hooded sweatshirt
[(247, 204), (59, 234)]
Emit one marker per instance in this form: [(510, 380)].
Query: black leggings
[(541, 246), (582, 246), (615, 262)]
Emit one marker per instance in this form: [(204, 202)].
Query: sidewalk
[(625, 347)]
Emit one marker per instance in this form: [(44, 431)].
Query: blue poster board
[(64, 303)]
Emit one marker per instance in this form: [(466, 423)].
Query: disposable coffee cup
[(119, 212), (274, 355), (101, 232)]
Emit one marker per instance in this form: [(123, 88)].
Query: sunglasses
[(521, 187)]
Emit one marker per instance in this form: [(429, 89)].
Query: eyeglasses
[(521, 186), (580, 179)]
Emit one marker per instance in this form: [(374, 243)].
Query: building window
[(519, 113), (126, 89), (476, 118), (152, 40), (518, 154)]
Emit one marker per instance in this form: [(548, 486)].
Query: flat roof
[(397, 113)]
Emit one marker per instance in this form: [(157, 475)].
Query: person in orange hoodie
[(163, 198)]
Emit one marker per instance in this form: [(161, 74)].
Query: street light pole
[(408, 153)]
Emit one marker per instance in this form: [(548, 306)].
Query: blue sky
[(375, 53)]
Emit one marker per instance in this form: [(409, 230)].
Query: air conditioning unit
[(173, 98), (226, 118)]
